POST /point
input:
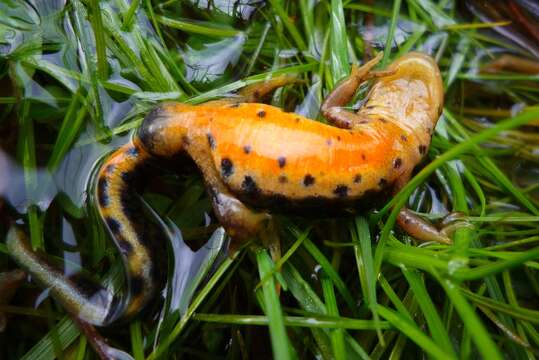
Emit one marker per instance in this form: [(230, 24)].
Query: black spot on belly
[(283, 179), (113, 225), (102, 192), (282, 161), (404, 138), (341, 191), (227, 167), (247, 149), (329, 142), (397, 163), (261, 113), (308, 180), (382, 182), (136, 285), (338, 138), (211, 140), (357, 179), (363, 157), (422, 149), (249, 185)]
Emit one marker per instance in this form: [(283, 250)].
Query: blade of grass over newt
[(398, 201), (286, 256)]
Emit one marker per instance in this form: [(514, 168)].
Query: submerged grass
[(81, 75)]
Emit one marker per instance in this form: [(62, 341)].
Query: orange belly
[(262, 151)]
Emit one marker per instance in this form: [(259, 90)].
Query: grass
[(79, 80)]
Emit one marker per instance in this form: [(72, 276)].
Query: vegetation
[(77, 79)]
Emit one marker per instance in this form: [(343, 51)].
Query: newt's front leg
[(239, 221)]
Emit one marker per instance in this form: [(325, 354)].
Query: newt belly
[(254, 156)]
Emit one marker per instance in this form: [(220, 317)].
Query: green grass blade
[(363, 252), (391, 31), (436, 327), (413, 332), (314, 321), (340, 64), (66, 331), (476, 329), (330, 271), (193, 27), (285, 18), (277, 329), (337, 335), (137, 346)]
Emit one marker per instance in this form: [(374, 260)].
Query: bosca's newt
[(255, 159)]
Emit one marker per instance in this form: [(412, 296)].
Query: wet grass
[(79, 79)]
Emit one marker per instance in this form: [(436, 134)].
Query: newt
[(255, 160)]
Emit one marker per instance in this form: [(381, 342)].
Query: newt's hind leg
[(257, 92), (424, 230), (332, 107), (239, 221)]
